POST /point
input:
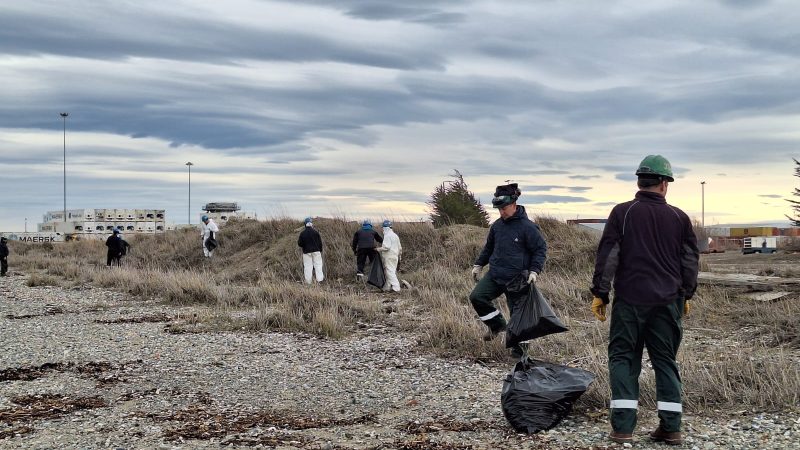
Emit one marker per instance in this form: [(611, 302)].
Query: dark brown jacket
[(649, 250)]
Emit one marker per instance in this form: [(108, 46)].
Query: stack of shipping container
[(86, 223)]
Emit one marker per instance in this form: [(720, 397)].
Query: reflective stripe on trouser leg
[(669, 406), (490, 316), (624, 404)]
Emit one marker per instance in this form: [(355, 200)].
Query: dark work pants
[(482, 297), (361, 257), (3, 266), (659, 329), (113, 259)]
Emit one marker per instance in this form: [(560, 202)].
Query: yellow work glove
[(686, 307), (599, 309)]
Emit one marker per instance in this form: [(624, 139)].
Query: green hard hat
[(655, 166)]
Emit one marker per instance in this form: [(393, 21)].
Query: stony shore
[(91, 368)]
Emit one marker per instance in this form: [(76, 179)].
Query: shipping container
[(753, 231), (790, 232), (34, 237), (760, 245), (718, 231)]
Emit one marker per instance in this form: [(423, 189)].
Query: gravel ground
[(90, 368)]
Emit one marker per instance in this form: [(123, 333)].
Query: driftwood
[(755, 282), (766, 296)]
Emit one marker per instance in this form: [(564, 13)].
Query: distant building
[(84, 223), (222, 212)]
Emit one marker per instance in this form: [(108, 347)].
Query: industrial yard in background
[(717, 239), (222, 212)]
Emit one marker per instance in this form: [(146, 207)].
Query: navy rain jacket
[(365, 238), (513, 245), (649, 250), (310, 240)]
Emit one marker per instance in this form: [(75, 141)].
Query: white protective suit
[(390, 252), (205, 231)]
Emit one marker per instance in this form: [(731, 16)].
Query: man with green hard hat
[(649, 251)]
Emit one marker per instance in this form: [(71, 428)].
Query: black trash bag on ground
[(377, 277), (531, 315), (537, 394)]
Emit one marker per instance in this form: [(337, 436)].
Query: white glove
[(476, 271), (532, 278)]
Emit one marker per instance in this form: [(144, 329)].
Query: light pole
[(26, 224), (64, 117), (703, 204), (189, 213)]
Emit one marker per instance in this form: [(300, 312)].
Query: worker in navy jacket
[(515, 247)]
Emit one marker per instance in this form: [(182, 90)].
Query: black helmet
[(505, 195)]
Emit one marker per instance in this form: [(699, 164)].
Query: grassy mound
[(254, 281)]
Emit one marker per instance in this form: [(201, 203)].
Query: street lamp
[(189, 164), (703, 204), (64, 117)]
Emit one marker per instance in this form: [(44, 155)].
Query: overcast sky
[(361, 107)]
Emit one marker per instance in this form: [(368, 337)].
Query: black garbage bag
[(377, 277), (531, 316), (537, 394), (211, 242)]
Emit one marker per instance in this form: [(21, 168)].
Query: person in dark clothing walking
[(514, 247), (364, 243), (311, 243), (3, 256), (116, 248), (649, 250)]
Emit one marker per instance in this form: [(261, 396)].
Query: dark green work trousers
[(634, 327), (482, 297)]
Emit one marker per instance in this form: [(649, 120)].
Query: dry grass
[(734, 353)]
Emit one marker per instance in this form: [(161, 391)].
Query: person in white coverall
[(390, 251), (208, 230)]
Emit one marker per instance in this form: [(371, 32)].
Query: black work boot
[(621, 438), (669, 438), (492, 333), (517, 352)]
